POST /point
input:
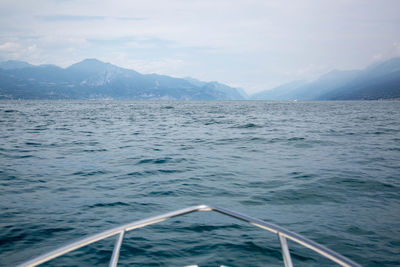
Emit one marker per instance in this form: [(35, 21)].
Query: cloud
[(130, 18), (131, 40), (167, 66), (391, 51), (79, 18), (54, 18), (396, 49), (9, 47)]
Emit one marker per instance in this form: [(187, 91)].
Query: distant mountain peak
[(49, 66), (92, 66), (92, 61), (334, 74), (89, 62), (14, 64), (390, 65)]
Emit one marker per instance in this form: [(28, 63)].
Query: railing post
[(285, 251), (117, 247)]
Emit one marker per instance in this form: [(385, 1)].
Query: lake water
[(327, 170)]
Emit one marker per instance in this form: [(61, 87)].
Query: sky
[(252, 44)]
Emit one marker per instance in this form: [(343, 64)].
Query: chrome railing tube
[(103, 235), (320, 249), (283, 234)]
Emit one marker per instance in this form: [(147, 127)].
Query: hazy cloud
[(9, 47), (53, 18), (130, 18)]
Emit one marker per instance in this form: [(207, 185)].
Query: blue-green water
[(327, 170)]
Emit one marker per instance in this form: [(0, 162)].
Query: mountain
[(282, 92), (230, 92), (378, 81), (242, 92), (14, 64), (93, 79)]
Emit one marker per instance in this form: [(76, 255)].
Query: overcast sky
[(248, 43)]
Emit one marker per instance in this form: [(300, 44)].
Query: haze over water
[(327, 170)]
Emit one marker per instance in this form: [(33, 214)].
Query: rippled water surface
[(327, 170)]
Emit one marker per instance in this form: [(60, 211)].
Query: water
[(327, 170)]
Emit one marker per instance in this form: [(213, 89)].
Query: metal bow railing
[(282, 233)]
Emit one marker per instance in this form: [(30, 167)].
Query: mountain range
[(93, 79), (378, 81)]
